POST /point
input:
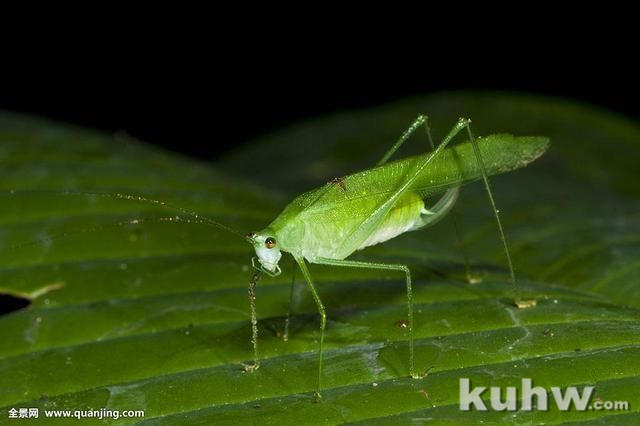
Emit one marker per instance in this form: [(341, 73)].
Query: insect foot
[(250, 368), (473, 278), (283, 335), (423, 374), (526, 303)]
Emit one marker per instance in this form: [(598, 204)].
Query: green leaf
[(131, 312)]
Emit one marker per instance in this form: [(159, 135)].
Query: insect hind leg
[(445, 205), (516, 293), (419, 121)]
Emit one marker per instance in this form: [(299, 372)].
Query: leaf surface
[(153, 315)]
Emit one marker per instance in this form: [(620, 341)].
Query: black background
[(202, 81), (203, 104)]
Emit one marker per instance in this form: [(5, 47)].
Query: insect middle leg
[(388, 267), (323, 317), (287, 321)]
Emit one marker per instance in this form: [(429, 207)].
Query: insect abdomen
[(403, 217)]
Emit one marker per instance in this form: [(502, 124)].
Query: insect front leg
[(323, 317), (254, 322), (388, 267)]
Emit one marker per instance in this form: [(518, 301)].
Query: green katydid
[(328, 224)]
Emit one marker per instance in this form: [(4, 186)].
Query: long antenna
[(137, 221), (202, 219)]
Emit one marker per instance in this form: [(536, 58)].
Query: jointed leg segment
[(422, 119), (388, 267), (323, 315), (516, 292), (254, 322), (285, 335)]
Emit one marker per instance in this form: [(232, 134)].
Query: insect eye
[(270, 242)]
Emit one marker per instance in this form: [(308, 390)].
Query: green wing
[(354, 208), (455, 166)]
